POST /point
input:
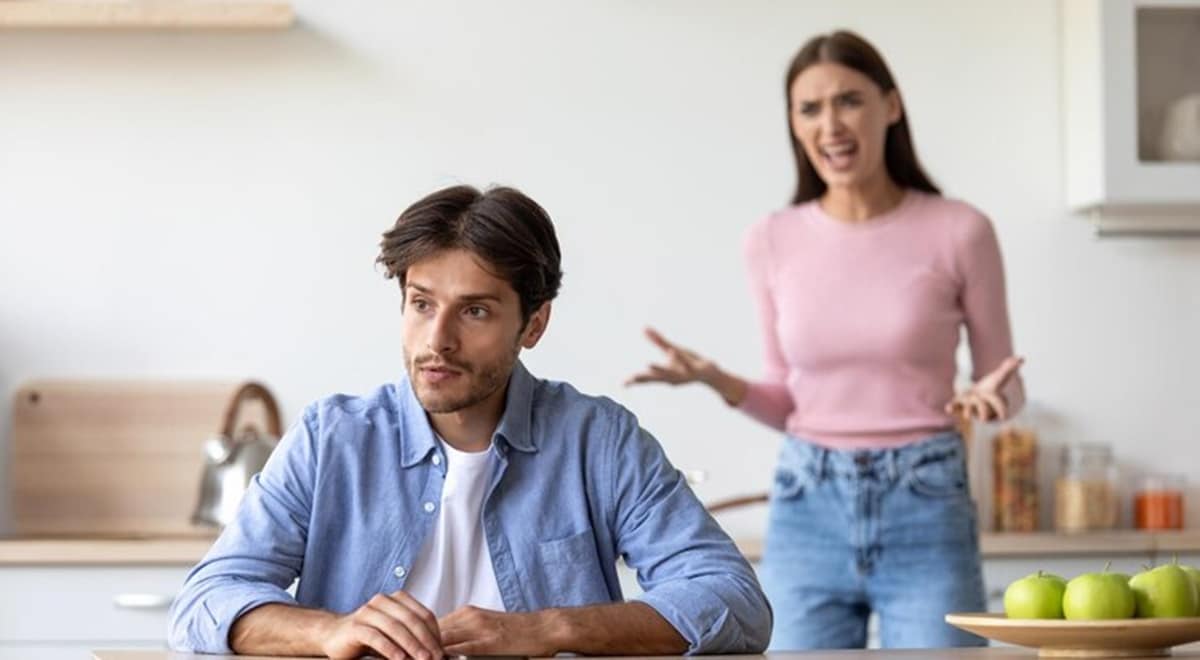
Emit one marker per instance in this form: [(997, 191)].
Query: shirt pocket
[(570, 571)]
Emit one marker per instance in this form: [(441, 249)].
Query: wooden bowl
[(1059, 638)]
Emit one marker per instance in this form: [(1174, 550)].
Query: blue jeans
[(890, 531)]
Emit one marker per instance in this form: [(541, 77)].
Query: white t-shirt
[(454, 566)]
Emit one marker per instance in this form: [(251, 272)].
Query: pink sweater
[(861, 320)]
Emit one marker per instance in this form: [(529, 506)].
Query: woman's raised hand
[(682, 366), (983, 401)]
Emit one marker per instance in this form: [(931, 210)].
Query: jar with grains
[(1014, 480), (1085, 494)]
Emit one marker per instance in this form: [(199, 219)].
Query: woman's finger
[(659, 340), (1002, 374), (997, 404), (956, 405), (982, 412)]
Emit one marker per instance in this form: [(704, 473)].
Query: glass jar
[(1158, 502), (1085, 493), (1014, 480)]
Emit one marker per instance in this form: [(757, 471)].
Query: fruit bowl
[(1059, 638)]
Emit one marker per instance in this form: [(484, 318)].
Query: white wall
[(208, 205)]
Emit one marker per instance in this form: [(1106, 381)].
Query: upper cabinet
[(1131, 101)]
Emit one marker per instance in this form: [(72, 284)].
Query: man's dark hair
[(510, 232)]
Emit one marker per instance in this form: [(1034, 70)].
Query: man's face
[(462, 331)]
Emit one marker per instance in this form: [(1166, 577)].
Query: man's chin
[(440, 403)]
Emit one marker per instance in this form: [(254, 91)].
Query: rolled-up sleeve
[(258, 556), (691, 572)]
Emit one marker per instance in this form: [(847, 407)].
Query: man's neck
[(471, 428)]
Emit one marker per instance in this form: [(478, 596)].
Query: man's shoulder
[(560, 400), (573, 418), (342, 408)]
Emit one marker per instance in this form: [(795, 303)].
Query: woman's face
[(841, 117)]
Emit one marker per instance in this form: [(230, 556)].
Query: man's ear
[(536, 326)]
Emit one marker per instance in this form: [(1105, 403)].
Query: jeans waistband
[(890, 463)]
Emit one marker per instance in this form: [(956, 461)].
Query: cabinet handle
[(143, 601)]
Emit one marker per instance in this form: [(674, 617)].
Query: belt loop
[(823, 462), (894, 464)]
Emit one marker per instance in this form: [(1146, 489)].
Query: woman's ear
[(895, 107), (536, 326)]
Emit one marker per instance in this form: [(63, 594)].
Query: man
[(470, 508)]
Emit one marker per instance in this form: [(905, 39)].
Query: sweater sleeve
[(767, 400), (985, 306)]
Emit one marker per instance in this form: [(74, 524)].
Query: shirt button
[(429, 507), (399, 572), (437, 460)]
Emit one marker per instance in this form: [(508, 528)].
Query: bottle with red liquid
[(1158, 502)]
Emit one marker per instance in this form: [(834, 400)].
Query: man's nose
[(443, 336)]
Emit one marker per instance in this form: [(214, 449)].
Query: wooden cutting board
[(113, 458)]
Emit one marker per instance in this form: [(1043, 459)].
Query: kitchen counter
[(877, 654), (190, 549)]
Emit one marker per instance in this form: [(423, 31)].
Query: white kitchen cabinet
[(1126, 67), (58, 612)]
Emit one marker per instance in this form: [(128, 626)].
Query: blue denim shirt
[(350, 494)]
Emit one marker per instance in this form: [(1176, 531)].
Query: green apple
[(1193, 573), (1036, 596), (1098, 596), (1166, 591)]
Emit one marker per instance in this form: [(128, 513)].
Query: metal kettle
[(231, 459)]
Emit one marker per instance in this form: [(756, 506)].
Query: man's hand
[(475, 631), (393, 626), (615, 629)]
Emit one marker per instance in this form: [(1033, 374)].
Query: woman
[(862, 286)]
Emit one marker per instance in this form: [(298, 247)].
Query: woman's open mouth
[(839, 156)]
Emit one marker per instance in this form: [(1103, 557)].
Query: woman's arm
[(985, 308)]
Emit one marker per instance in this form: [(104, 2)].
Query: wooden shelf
[(1053, 544), (111, 552), (146, 14)]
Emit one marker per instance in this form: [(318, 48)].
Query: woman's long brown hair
[(851, 50)]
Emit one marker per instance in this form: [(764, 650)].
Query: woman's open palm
[(682, 366)]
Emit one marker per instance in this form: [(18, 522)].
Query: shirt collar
[(516, 421), (417, 435)]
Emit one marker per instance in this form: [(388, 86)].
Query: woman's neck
[(861, 203)]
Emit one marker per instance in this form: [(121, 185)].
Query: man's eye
[(476, 312), (420, 305)]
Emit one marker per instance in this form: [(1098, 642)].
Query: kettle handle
[(252, 390)]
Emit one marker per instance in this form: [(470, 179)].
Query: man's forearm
[(631, 628), (275, 629)]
